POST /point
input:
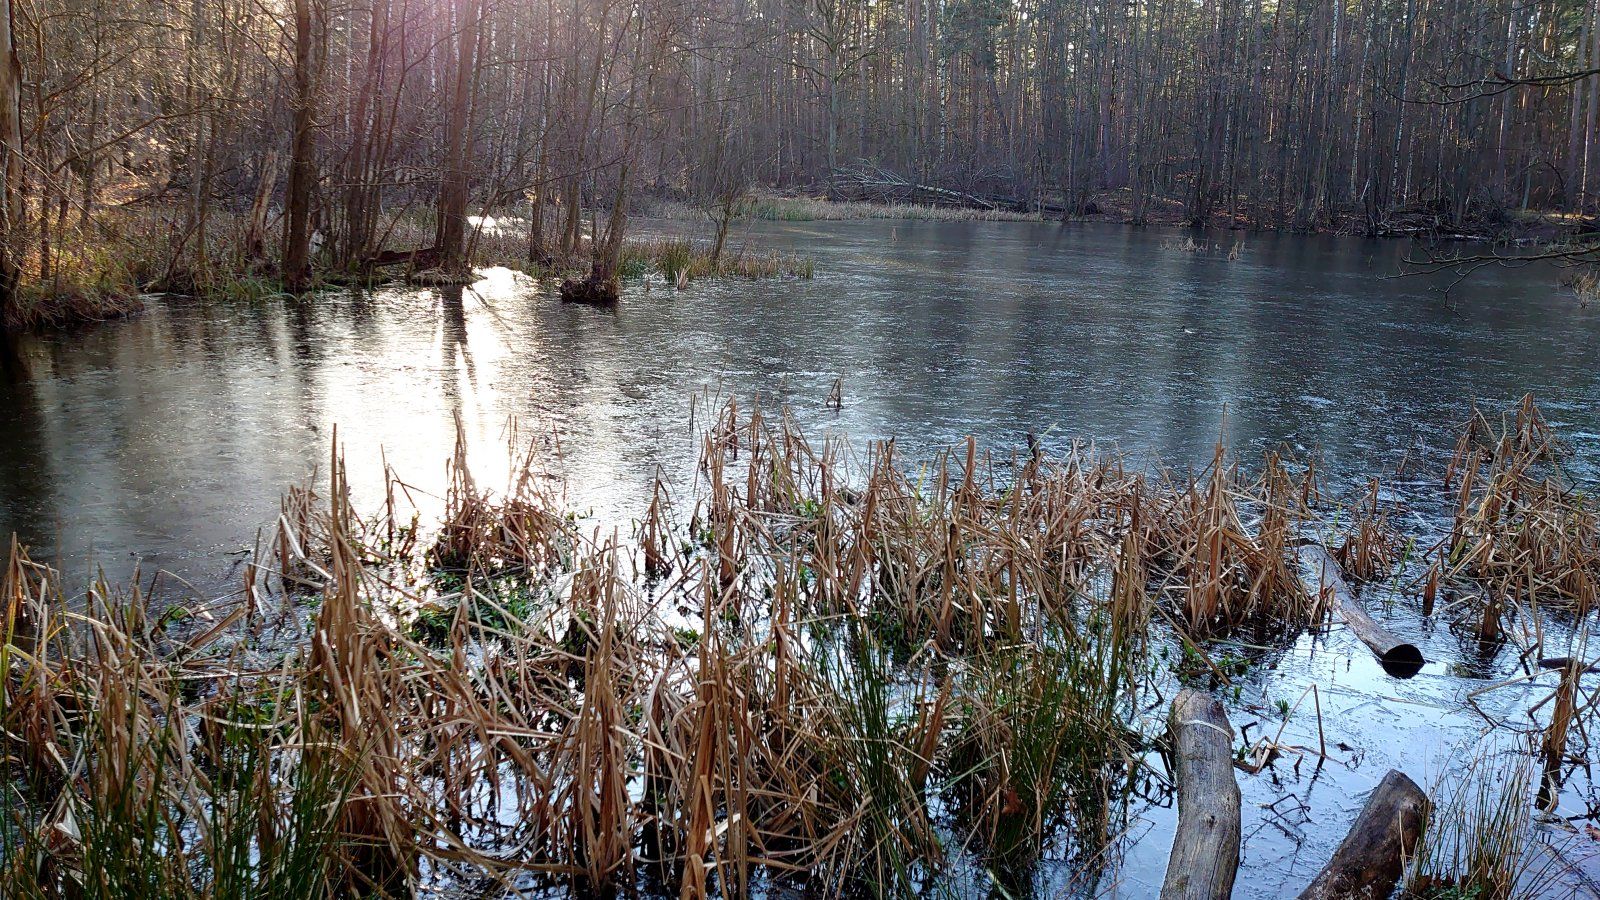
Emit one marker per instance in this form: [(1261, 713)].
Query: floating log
[(1398, 657), (1205, 850), (1372, 855)]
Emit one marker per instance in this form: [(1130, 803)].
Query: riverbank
[(1118, 207), (820, 668), (101, 270), (90, 271), (799, 208)]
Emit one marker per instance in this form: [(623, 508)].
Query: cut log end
[(1402, 660)]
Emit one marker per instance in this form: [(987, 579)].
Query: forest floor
[(1528, 226)]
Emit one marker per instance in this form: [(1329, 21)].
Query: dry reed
[(841, 670)]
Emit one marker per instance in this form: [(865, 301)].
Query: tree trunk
[(366, 127), (10, 166), (297, 218), (453, 184), (724, 219), (255, 242)]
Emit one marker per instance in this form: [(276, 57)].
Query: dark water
[(169, 438)]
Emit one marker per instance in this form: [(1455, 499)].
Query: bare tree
[(302, 149)]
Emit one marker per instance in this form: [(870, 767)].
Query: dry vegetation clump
[(1521, 532), (1523, 542), (1221, 573), (1369, 549)]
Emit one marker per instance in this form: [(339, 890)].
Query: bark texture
[(1205, 851), (1372, 855)]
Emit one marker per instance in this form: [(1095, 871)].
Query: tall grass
[(874, 744), (1041, 746), (1478, 843)]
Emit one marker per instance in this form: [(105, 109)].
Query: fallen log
[(1399, 658), (879, 185), (1372, 855), (419, 258), (1205, 850)]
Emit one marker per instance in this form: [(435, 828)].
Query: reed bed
[(825, 668), (842, 707), (680, 260)]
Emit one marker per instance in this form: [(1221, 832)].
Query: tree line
[(305, 129)]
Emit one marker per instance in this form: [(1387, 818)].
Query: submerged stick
[(1564, 662), (1372, 855), (1205, 850), (1399, 658)]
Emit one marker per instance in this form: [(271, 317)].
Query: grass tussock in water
[(1478, 843), (676, 260), (824, 668), (1522, 531), (680, 261)]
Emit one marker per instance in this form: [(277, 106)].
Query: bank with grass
[(108, 268)]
